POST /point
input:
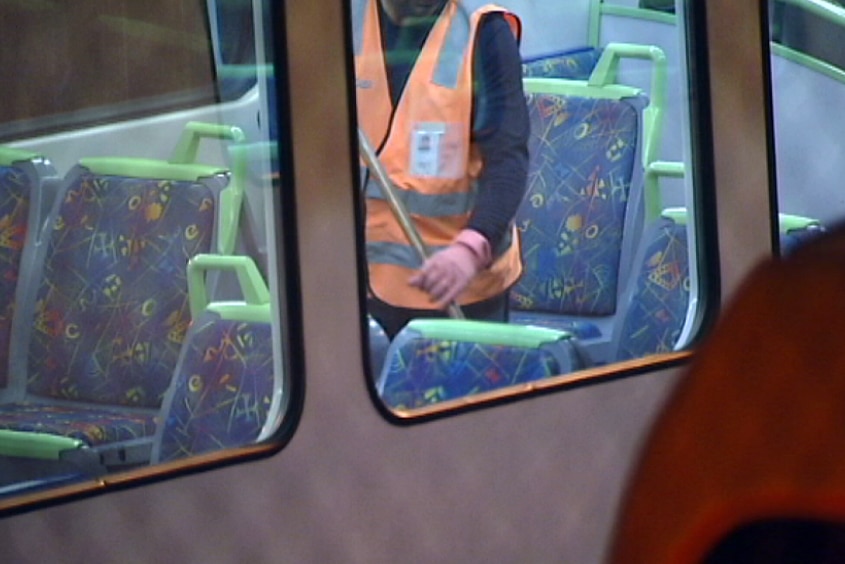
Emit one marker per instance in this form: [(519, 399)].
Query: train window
[(807, 71), (143, 272), (234, 52), (659, 5), (528, 182), (127, 55)]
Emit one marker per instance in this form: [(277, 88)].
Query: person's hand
[(448, 272)]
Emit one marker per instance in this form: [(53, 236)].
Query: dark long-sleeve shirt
[(500, 117)]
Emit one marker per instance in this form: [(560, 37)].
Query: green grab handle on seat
[(254, 290), (231, 198), (605, 73), (10, 155), (186, 149), (231, 201), (579, 88), (31, 444), (653, 173)]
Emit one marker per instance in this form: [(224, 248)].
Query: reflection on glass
[(138, 321), (526, 193), (808, 96), (659, 5)]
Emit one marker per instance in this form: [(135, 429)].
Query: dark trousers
[(393, 319)]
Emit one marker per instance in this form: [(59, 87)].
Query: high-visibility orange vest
[(424, 145)]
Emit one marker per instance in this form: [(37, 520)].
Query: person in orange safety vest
[(440, 98)]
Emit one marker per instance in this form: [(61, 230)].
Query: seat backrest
[(586, 137), (22, 174), (224, 391), (658, 307), (657, 310), (435, 360), (575, 64), (108, 304), (581, 153), (753, 432)]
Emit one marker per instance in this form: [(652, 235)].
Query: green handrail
[(231, 197), (256, 304), (653, 173), (9, 156), (31, 444), (599, 8), (186, 149), (486, 332), (606, 71)]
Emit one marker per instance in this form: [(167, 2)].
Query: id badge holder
[(426, 148)]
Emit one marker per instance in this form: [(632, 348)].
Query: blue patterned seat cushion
[(427, 371), (659, 308), (582, 154), (223, 390), (92, 425), (15, 189), (112, 307), (576, 64)]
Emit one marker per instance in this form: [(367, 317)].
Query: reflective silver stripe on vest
[(428, 205), (451, 57), (359, 15), (396, 254), (406, 256)]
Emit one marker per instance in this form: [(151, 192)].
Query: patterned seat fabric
[(94, 426), (109, 304), (658, 311), (15, 188), (576, 64), (582, 154), (223, 391), (111, 308), (423, 370), (22, 175)]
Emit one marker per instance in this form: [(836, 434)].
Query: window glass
[(234, 52), (139, 318), (808, 100), (660, 5), (528, 201), (77, 58)]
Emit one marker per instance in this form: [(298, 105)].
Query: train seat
[(657, 310), (578, 221), (574, 64), (658, 305), (436, 360), (224, 391), (23, 175), (102, 323)]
